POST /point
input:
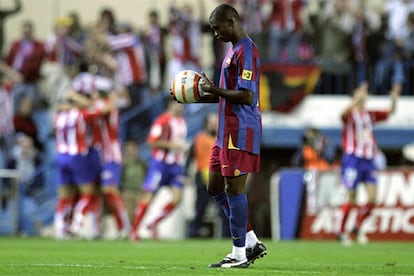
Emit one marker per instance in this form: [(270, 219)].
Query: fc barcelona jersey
[(240, 125)]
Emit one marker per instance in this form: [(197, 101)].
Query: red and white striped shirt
[(172, 129), (73, 130), (129, 52), (108, 136), (358, 132), (87, 83)]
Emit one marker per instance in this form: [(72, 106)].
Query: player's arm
[(395, 93), (242, 96)]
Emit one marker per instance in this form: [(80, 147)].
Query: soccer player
[(236, 152), (109, 146), (167, 140), (78, 167), (359, 149)]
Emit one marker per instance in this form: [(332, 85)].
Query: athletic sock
[(363, 213), (345, 209), (62, 215), (238, 218), (165, 212), (222, 201), (139, 215), (251, 239), (118, 210), (238, 253)]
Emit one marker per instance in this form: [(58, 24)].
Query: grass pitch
[(37, 256)]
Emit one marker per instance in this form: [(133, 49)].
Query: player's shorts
[(233, 162), (162, 174), (111, 174), (78, 169), (355, 170)]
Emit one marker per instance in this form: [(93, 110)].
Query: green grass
[(37, 256)]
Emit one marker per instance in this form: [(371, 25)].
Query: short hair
[(224, 12)]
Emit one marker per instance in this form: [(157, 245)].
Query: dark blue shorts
[(79, 169), (162, 174), (355, 170)]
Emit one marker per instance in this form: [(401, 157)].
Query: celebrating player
[(359, 148)]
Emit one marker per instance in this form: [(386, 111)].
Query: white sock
[(238, 253), (251, 239)]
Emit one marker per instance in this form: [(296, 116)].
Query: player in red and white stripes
[(167, 140), (358, 161)]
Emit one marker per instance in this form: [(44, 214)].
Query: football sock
[(238, 253), (86, 203), (221, 200), (363, 213), (139, 215), (62, 215), (118, 210), (238, 218), (345, 209), (251, 239), (165, 212)]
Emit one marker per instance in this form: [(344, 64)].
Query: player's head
[(225, 23)]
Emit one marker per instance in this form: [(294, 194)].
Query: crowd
[(349, 40)]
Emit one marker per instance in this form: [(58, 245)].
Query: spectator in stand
[(76, 30), (3, 15), (332, 24), (389, 69), (358, 162), (23, 121), (128, 50), (315, 153), (155, 44), (185, 33), (285, 30), (26, 56), (60, 47), (167, 140), (7, 79), (107, 21), (134, 170), (200, 153)]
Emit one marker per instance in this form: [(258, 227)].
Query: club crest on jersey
[(247, 74)]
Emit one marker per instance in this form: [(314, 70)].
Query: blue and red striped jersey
[(240, 125)]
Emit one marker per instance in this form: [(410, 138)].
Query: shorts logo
[(247, 74)]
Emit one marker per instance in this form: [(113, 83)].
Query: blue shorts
[(162, 174), (111, 174), (356, 170), (79, 169)]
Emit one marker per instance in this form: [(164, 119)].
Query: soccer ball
[(186, 86)]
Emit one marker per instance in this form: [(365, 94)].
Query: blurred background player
[(200, 153), (78, 167), (358, 161), (109, 147), (167, 140)]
